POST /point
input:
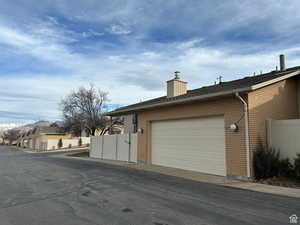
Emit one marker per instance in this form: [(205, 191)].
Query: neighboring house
[(3, 141), (213, 129), (37, 138), (115, 129)]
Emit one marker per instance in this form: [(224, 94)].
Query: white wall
[(69, 142), (85, 140), (284, 135), (122, 147), (52, 144)]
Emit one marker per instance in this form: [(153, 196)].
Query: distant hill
[(24, 128), (7, 126), (27, 127)]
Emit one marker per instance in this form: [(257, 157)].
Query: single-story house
[(213, 129), (38, 137)]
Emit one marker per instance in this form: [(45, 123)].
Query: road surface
[(41, 189)]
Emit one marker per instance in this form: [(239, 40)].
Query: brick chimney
[(176, 87)]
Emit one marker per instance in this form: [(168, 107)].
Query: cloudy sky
[(130, 48)]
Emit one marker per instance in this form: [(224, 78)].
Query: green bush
[(286, 168), (297, 166), (266, 163), (79, 142), (60, 143)]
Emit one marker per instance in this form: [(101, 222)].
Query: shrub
[(297, 166), (79, 142), (60, 143), (266, 163), (286, 168)]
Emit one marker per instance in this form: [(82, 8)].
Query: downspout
[(246, 132)]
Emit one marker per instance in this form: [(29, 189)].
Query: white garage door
[(190, 144)]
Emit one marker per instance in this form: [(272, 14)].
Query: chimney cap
[(177, 75)]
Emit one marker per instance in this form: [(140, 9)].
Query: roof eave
[(179, 101), (275, 80)]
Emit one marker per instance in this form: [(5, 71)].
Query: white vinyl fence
[(284, 135), (122, 147), (52, 144)]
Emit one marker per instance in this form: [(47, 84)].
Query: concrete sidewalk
[(51, 151), (271, 189), (200, 177)]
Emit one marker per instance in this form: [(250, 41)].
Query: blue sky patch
[(130, 48)]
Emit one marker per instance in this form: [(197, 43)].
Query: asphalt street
[(42, 189)]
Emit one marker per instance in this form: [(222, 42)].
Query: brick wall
[(277, 101), (232, 110)]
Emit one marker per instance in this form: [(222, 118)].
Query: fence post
[(102, 148), (116, 147), (129, 144)]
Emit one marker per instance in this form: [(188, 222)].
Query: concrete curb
[(53, 151)]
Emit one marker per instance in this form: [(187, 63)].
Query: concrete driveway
[(39, 189)]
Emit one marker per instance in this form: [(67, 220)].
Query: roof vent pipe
[(177, 75), (282, 62)]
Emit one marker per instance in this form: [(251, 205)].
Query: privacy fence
[(284, 135), (122, 147)]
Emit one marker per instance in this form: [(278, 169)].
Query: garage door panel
[(191, 144)]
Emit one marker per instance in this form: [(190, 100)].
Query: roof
[(47, 129), (42, 130), (245, 84)]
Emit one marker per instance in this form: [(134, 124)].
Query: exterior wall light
[(140, 130), (234, 127)]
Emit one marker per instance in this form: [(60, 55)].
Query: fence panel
[(96, 147), (109, 147), (123, 147), (115, 147), (133, 150), (283, 135)]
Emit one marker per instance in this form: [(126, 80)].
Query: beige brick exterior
[(276, 101), (176, 87), (232, 110)]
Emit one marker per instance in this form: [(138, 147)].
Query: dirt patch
[(281, 181)]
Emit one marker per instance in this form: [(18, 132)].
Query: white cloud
[(14, 38), (119, 29), (137, 70), (144, 72)]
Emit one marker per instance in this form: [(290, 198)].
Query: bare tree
[(11, 135), (83, 110)]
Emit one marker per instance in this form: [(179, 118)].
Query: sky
[(130, 48)]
